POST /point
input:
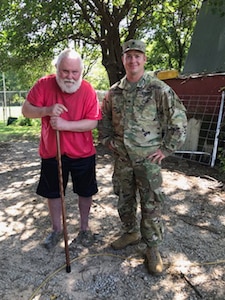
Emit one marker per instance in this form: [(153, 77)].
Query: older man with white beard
[(66, 102)]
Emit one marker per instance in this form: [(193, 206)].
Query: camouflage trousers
[(144, 177)]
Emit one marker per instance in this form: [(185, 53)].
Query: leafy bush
[(95, 135), (17, 99), (221, 158), (22, 121)]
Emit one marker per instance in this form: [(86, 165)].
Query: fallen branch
[(193, 222), (191, 285)]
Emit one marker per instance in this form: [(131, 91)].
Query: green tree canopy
[(34, 31), (171, 29), (37, 28)]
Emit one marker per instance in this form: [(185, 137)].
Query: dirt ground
[(193, 249)]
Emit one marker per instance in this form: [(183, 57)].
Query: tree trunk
[(111, 56)]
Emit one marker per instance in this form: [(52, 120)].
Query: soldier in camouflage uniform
[(143, 122)]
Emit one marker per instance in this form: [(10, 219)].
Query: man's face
[(69, 75), (134, 62)]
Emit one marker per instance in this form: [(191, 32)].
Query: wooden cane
[(61, 190)]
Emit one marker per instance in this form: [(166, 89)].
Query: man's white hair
[(69, 53)]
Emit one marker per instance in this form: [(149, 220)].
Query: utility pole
[(4, 99)]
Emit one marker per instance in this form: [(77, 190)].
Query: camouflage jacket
[(142, 117)]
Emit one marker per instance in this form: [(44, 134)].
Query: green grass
[(15, 131)]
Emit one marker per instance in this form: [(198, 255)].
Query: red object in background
[(200, 93), (210, 84)]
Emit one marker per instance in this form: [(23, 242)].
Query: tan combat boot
[(154, 261), (125, 240)]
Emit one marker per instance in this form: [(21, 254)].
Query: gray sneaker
[(84, 238), (52, 240)]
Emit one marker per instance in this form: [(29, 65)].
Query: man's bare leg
[(55, 211), (84, 208)]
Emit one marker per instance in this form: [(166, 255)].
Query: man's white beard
[(68, 85)]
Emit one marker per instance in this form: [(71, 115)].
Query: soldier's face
[(134, 62)]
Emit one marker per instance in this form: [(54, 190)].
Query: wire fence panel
[(206, 130)]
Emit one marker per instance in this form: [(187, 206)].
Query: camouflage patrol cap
[(134, 45)]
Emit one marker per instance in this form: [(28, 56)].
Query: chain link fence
[(10, 104)]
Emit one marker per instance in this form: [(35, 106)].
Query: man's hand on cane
[(56, 121)]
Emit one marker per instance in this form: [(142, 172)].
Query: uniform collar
[(124, 84)]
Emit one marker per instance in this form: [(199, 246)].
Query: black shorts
[(82, 172)]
